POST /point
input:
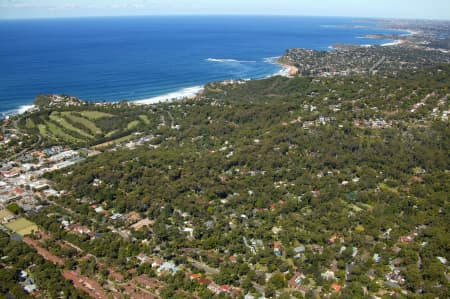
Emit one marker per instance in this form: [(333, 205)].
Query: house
[(116, 216), (65, 222), (27, 282), (142, 223), (334, 238), (168, 267), (225, 289), (143, 258), (376, 258), (99, 210), (194, 276), (40, 187), (299, 249), (79, 229), (19, 191), (337, 288), (157, 263), (214, 288), (133, 217), (188, 230), (328, 275), (204, 281), (317, 248), (10, 174), (51, 193), (406, 239), (63, 156), (277, 248), (296, 281)]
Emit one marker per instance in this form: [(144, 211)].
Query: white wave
[(394, 43), (24, 108), (410, 33), (284, 72), (284, 69), (184, 93), (330, 26), (20, 110), (219, 60), (272, 60)]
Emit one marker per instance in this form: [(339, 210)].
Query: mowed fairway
[(22, 226), (89, 127), (83, 121), (75, 127), (95, 115), (57, 117)]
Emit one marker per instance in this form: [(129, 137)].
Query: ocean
[(137, 58)]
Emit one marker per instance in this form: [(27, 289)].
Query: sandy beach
[(288, 70)]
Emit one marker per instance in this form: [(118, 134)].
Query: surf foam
[(184, 93), (226, 60)]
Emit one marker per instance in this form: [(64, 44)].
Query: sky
[(409, 9)]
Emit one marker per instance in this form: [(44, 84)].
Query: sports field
[(22, 226)]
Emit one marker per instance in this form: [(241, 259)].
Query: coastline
[(21, 110), (194, 91), (288, 70), (184, 93)]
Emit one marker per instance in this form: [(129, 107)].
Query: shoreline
[(194, 91), (183, 93), (288, 70)]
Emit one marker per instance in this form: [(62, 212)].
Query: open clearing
[(22, 226)]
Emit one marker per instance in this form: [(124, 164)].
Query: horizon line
[(218, 14)]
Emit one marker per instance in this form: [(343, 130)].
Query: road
[(172, 120), (33, 146), (204, 267), (259, 288)]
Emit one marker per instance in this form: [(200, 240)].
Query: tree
[(278, 281), (14, 208)]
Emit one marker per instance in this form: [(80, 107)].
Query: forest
[(342, 181)]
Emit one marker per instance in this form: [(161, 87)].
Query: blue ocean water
[(132, 58)]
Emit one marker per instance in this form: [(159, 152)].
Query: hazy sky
[(429, 9)]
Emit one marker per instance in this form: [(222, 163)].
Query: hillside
[(330, 186)]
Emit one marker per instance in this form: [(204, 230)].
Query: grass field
[(83, 121), (145, 119), (30, 124), (42, 129), (112, 133), (115, 141), (60, 134), (22, 226), (88, 127), (94, 115), (56, 117), (133, 124)]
